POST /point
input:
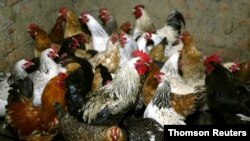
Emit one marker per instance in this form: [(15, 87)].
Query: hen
[(226, 97), (143, 129), (6, 79), (73, 130), (42, 40), (160, 108), (191, 62), (108, 21), (36, 123), (109, 104), (99, 35), (110, 57), (47, 70)]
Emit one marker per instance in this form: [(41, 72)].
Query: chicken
[(47, 70), (128, 45), (157, 52), (78, 83), (226, 97), (6, 79), (73, 26), (101, 77), (185, 99), (159, 108), (37, 123), (109, 23), (191, 62), (143, 22), (109, 104), (172, 29), (99, 35), (42, 40), (73, 130), (241, 71), (110, 57), (150, 84), (143, 129), (56, 34), (126, 27)]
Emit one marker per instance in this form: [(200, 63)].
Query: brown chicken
[(110, 57), (56, 33), (157, 52), (241, 71), (73, 130), (42, 40), (37, 123), (150, 84), (191, 61), (126, 27)]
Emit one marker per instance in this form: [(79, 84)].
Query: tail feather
[(175, 20)]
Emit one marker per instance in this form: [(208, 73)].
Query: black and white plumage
[(6, 79), (173, 26), (47, 70), (160, 109), (111, 102)]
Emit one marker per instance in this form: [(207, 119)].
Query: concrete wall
[(221, 26)]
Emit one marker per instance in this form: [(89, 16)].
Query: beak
[(59, 14), (80, 17)]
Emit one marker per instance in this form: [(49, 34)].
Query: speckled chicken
[(73, 130)]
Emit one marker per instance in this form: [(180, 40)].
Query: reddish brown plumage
[(150, 84), (56, 34), (183, 104), (28, 121)]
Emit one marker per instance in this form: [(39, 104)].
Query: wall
[(221, 26)]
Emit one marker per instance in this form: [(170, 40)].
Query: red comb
[(62, 75), (63, 9), (54, 47), (33, 25), (84, 13), (212, 58), (103, 10), (144, 56), (139, 6)]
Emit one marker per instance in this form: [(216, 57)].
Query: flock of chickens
[(99, 82)]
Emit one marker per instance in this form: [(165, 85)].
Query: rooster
[(172, 29), (47, 70), (143, 22), (73, 130), (108, 21), (36, 123), (110, 103), (99, 35), (78, 84), (6, 79), (226, 97)]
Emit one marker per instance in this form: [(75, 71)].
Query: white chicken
[(47, 70), (99, 35)]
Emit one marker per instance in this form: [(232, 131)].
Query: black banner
[(204, 131)]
